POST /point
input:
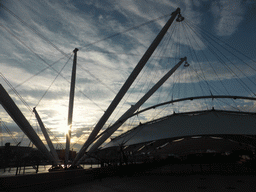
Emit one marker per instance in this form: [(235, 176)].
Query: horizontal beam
[(195, 98)]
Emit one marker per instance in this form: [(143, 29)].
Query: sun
[(62, 127), (66, 128)]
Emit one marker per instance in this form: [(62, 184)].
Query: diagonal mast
[(108, 132), (17, 116), (126, 85), (70, 108), (46, 136)]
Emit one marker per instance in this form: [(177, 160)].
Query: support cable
[(50, 66), (235, 67), (210, 64), (125, 31), (233, 73), (153, 115), (53, 81), (170, 94), (157, 52), (15, 91), (9, 132), (212, 67), (1, 133), (32, 29), (36, 53), (55, 138), (206, 32), (204, 78), (44, 38), (39, 72), (168, 40), (101, 82), (193, 59), (191, 67)]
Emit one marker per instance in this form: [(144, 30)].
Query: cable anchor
[(180, 18), (186, 64)]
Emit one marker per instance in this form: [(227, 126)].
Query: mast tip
[(75, 50)]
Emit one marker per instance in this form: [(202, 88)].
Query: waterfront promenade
[(153, 183), (140, 177)]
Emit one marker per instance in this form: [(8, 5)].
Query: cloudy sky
[(38, 37)]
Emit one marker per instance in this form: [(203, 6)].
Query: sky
[(38, 37)]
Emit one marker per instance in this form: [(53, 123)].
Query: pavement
[(170, 183)]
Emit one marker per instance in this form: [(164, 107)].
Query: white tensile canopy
[(211, 122)]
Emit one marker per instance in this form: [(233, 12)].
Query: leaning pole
[(108, 132), (71, 106), (126, 86), (46, 136), (17, 116)]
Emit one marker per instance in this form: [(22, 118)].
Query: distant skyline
[(36, 34)]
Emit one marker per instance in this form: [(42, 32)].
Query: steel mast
[(15, 113), (46, 136), (133, 108), (70, 108), (126, 85)]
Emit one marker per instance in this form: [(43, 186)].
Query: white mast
[(47, 138), (126, 85), (70, 108), (133, 108), (23, 123)]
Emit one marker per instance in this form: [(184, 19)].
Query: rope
[(104, 84), (39, 72), (160, 52), (125, 31), (204, 78), (241, 82), (9, 132), (49, 65), (14, 90), (32, 29), (136, 84), (212, 66), (53, 81), (206, 32), (38, 55), (55, 138), (83, 135), (234, 74)]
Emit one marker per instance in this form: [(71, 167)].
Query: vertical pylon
[(126, 86), (70, 107)]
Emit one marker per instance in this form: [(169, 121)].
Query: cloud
[(69, 24), (229, 15)]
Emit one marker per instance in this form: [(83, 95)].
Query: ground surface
[(152, 183)]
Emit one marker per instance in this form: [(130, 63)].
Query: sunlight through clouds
[(36, 34)]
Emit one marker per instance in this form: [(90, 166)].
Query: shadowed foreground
[(162, 183), (140, 177), (174, 178)]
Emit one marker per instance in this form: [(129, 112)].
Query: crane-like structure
[(127, 85), (20, 119)]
